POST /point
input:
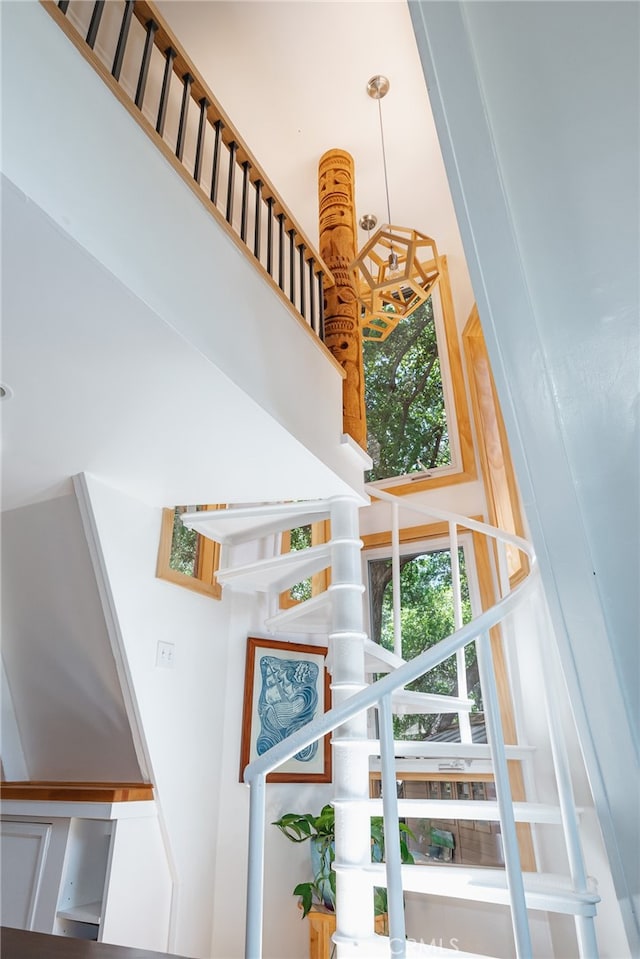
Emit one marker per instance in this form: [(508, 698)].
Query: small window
[(185, 557)]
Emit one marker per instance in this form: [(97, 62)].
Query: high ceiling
[(292, 76)]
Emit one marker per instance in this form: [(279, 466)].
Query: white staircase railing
[(355, 873), (256, 772)]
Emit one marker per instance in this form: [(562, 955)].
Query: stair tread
[(242, 524), (377, 945), (277, 572), (546, 891), (378, 659), (413, 750), (409, 701), (314, 616), (467, 809), (311, 616)]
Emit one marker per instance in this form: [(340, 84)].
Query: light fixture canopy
[(396, 270)]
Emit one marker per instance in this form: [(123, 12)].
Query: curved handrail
[(458, 518)]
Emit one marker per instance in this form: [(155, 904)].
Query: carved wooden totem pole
[(338, 248)]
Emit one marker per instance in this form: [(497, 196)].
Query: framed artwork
[(286, 685)]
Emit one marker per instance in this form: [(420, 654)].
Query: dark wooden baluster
[(187, 80), (151, 27), (233, 149), (270, 205), (122, 40), (96, 17), (257, 219), (292, 266), (301, 250), (281, 219), (312, 297), (215, 174), (246, 167), (197, 166), (164, 93), (320, 306)]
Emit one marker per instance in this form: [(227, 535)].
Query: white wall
[(181, 709), (537, 106), (191, 720), (12, 762), (61, 672), (529, 637), (286, 864), (104, 183)]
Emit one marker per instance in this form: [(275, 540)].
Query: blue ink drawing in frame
[(286, 686)]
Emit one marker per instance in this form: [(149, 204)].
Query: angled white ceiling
[(101, 384)]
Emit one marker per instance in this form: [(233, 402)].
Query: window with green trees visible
[(427, 616), (300, 538), (407, 426), (185, 557), (185, 544)]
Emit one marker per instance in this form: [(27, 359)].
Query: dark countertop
[(20, 944)]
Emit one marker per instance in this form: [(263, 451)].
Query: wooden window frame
[(501, 488), (208, 559), (453, 382), (320, 533)]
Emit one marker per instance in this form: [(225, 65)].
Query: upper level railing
[(135, 52)]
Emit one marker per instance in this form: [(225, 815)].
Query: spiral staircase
[(337, 614)]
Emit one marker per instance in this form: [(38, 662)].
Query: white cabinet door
[(24, 851), (31, 857)]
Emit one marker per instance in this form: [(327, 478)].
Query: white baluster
[(464, 723)]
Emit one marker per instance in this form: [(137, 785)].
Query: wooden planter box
[(322, 925)]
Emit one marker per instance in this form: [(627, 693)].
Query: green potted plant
[(320, 831)]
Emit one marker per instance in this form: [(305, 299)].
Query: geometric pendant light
[(397, 268)]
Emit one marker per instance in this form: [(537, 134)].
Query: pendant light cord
[(384, 161)]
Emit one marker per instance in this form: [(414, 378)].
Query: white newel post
[(354, 906)]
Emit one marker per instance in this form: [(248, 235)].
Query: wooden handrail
[(299, 281)]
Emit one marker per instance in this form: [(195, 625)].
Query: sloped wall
[(60, 668)]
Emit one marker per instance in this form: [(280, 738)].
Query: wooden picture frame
[(295, 675)]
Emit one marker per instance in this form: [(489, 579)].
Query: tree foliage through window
[(427, 617), (300, 538), (184, 544), (406, 417)]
